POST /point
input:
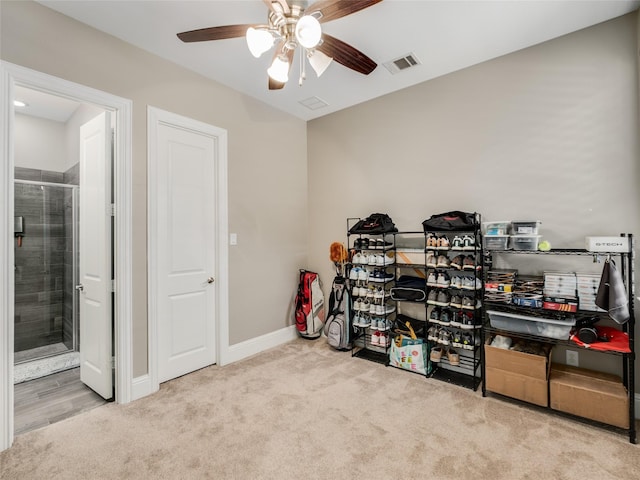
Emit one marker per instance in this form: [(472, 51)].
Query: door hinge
[(113, 362), (113, 286), (112, 210)]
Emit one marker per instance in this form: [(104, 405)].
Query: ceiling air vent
[(402, 63), (313, 103)]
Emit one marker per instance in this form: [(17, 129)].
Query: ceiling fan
[(291, 25)]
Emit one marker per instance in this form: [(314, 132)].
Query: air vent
[(402, 63), (314, 103)]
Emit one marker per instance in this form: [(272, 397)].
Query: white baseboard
[(141, 387), (256, 345)]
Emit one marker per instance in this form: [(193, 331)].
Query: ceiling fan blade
[(333, 9), (215, 33), (278, 6), (346, 55)]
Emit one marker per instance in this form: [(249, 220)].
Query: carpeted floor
[(304, 411)]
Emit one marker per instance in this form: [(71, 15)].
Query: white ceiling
[(445, 36)]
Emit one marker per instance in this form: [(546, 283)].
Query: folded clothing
[(409, 288)]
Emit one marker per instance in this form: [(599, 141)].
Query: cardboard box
[(517, 374), (594, 395)]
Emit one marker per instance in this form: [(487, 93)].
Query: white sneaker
[(385, 259), (365, 321), (373, 260), (353, 274), (363, 275), (375, 338), (384, 340), (374, 323), (365, 306)]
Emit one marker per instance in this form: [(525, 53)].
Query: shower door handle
[(80, 288)]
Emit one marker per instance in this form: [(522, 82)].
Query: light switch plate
[(233, 239)]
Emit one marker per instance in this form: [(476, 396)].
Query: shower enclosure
[(46, 269)]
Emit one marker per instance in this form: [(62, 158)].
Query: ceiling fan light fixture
[(259, 41), (319, 62), (308, 31), (279, 69)]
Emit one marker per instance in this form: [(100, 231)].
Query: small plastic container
[(525, 242), (525, 228), (495, 242), (496, 228), (542, 327)]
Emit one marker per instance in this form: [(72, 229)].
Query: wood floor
[(47, 400)]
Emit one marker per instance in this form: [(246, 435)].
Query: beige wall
[(267, 187), (49, 152), (547, 133)]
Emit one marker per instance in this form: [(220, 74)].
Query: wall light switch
[(233, 239), (572, 358)]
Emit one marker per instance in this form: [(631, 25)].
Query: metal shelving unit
[(626, 266)]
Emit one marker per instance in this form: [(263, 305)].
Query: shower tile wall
[(71, 177), (40, 269)]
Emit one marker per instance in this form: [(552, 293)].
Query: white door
[(95, 255), (186, 244)]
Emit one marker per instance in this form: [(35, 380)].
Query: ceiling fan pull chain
[(303, 73)]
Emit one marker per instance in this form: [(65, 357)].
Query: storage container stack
[(524, 235), (504, 235)]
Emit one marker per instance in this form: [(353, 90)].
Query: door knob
[(80, 288), (210, 280)]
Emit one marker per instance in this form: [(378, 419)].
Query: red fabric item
[(618, 340)]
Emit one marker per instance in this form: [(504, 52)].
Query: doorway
[(13, 78)]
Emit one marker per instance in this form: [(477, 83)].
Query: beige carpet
[(304, 411)]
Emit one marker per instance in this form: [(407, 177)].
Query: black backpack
[(337, 328), (375, 223)]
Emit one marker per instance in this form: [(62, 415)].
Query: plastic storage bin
[(495, 242), (542, 327), (496, 228), (525, 228), (525, 242)]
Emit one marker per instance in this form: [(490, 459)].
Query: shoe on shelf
[(434, 317), (432, 241), (374, 322), (384, 325), (453, 357), (443, 243), (445, 318), (456, 282), (444, 337), (432, 281), (433, 333), (456, 319), (442, 299), (469, 341), (469, 321), (389, 309), (455, 302), (468, 243), (353, 273), (457, 243), (456, 339), (469, 304), (471, 283), (457, 262), (432, 297), (375, 339), (384, 260), (469, 263), (363, 275), (442, 262), (443, 280), (436, 354), (385, 339), (365, 321), (432, 261)]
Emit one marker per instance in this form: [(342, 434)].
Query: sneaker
[(456, 282), (456, 339), (455, 301), (456, 319), (445, 336), (432, 280), (442, 299), (435, 316), (373, 323), (377, 309), (380, 276), (375, 338), (467, 341), (469, 321), (365, 321), (432, 241), (471, 283), (453, 357), (432, 297), (457, 243), (368, 292), (431, 260), (378, 293), (457, 262), (442, 262), (443, 243), (436, 354), (443, 280), (383, 260), (365, 306), (363, 275), (468, 243), (468, 303), (389, 309), (445, 318), (384, 339), (372, 260), (469, 263), (353, 274), (384, 325), (433, 334), (357, 304)]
